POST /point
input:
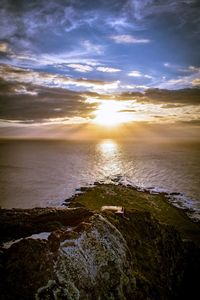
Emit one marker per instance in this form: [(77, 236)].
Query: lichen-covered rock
[(94, 265), (100, 256)]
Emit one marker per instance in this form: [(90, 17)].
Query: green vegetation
[(131, 199)]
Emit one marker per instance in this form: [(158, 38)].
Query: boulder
[(101, 256)]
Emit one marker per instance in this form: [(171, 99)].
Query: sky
[(73, 68)]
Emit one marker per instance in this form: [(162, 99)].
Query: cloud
[(196, 81), (27, 25), (119, 23), (195, 122), (135, 74), (22, 75), (91, 47), (185, 77), (107, 69), (148, 76), (164, 97), (45, 43), (190, 96), (151, 8), (180, 82), (30, 103), (58, 61), (81, 68), (34, 17), (4, 48), (194, 69), (145, 8), (180, 69), (128, 39), (48, 35), (24, 78)]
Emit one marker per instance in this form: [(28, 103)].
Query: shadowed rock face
[(101, 256), (26, 265), (18, 223)]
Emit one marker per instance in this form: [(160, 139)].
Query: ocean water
[(45, 173)]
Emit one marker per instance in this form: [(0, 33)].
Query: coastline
[(176, 199), (47, 184), (150, 251), (158, 204)]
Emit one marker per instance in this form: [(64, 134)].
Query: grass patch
[(130, 198)]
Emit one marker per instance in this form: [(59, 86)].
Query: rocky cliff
[(79, 254)]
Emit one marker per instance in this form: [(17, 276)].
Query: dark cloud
[(40, 40), (158, 116), (184, 11), (195, 122), (127, 110), (30, 97), (184, 96), (171, 105), (169, 98), (33, 29), (30, 103), (30, 20), (28, 23)]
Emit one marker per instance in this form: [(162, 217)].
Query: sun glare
[(108, 147), (109, 113)]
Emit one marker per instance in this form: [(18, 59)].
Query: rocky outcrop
[(18, 223), (25, 266), (96, 256), (95, 264)]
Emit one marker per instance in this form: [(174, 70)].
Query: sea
[(40, 173)]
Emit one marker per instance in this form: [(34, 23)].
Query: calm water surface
[(43, 173)]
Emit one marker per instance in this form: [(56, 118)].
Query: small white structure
[(115, 209)]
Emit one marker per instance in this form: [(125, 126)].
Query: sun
[(109, 113)]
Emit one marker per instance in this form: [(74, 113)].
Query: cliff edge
[(79, 253)]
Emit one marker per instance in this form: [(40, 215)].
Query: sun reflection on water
[(109, 158), (108, 147)]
